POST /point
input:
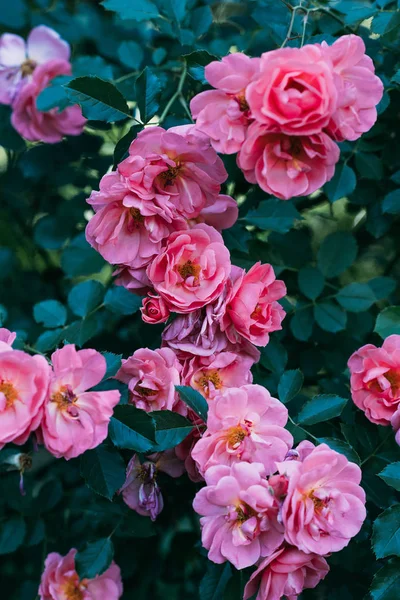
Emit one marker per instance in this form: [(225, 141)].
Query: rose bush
[(199, 320)]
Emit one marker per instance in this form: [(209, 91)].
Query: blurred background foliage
[(337, 251)]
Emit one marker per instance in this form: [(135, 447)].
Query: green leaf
[(290, 385), (12, 533), (356, 297), (391, 203), (95, 65), (391, 475), (330, 317), (337, 252), (171, 429), (382, 287), (49, 340), (196, 61), (274, 356), (113, 363), (148, 89), (94, 559), (273, 215), (194, 399), (103, 470), (386, 582), (137, 10), (132, 428), (137, 526), (79, 332), (392, 29), (342, 447), (100, 100), (201, 20), (213, 584), (55, 95), (388, 322), (122, 146), (321, 408), (311, 282), (50, 313), (302, 324), (121, 301), (85, 296), (79, 258), (130, 54), (342, 184), (386, 533), (369, 166)]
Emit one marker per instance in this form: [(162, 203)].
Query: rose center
[(208, 376), (65, 400), (137, 217), (241, 100), (72, 590), (189, 269), (168, 177), (319, 504), (28, 67), (244, 512), (235, 436), (144, 391), (393, 377), (9, 392)]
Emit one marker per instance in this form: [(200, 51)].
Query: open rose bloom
[(75, 419), (60, 581)]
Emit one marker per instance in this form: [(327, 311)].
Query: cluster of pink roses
[(284, 112), (53, 401), (61, 581), (375, 382), (26, 68)]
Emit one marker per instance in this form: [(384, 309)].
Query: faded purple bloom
[(19, 59)]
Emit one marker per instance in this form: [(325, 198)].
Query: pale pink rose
[(19, 59), (244, 424), (6, 339), (213, 375), (252, 310), (180, 172), (154, 310), (295, 91), (184, 449), (193, 269), (50, 126), (134, 280), (221, 214), (126, 230), (396, 425), (223, 114), (239, 521), (359, 89), (140, 490), (151, 376), (60, 581), (24, 381), (325, 505), (287, 166), (76, 420), (375, 379), (286, 573)]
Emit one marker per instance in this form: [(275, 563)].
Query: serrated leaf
[(137, 10), (122, 146), (171, 429), (113, 363), (311, 282), (121, 301), (100, 100), (342, 447), (132, 428), (391, 475), (391, 203), (321, 408), (386, 533), (337, 252), (342, 184), (388, 322), (290, 385), (12, 533), (51, 313), (103, 470), (213, 584), (356, 297), (194, 400), (85, 296), (330, 317), (273, 215), (94, 559), (148, 89), (386, 582)]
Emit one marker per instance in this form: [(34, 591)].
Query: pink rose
[(181, 173), (127, 230), (76, 420), (252, 310), (221, 214), (193, 269), (223, 114), (19, 59), (244, 424), (151, 376), (295, 91), (239, 521), (6, 339), (154, 310), (60, 580), (213, 375), (184, 450), (395, 421), (287, 166), (359, 89), (325, 505), (50, 126), (140, 490), (134, 280), (286, 573), (375, 379), (24, 382)]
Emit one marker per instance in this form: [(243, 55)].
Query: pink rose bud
[(154, 310)]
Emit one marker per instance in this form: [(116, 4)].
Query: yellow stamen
[(9, 391)]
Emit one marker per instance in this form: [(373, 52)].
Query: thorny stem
[(175, 96)]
